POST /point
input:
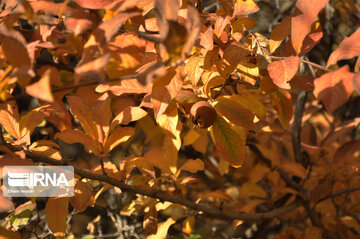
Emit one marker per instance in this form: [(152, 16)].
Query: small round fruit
[(203, 114)]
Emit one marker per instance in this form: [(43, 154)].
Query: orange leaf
[(162, 229), (93, 4), (42, 88), (72, 136), (294, 168), (82, 196), (305, 14), (131, 86), (193, 165), (102, 115), (281, 72), (348, 48), (165, 88), (189, 225), (245, 7), (94, 70), (14, 48), (118, 136), (56, 213), (334, 88), (229, 141), (206, 39), (234, 112), (130, 113), (9, 121), (83, 114), (282, 103), (6, 234), (279, 33), (220, 25)]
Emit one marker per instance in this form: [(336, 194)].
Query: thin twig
[(161, 195), (296, 128)]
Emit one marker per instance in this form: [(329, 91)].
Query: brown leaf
[(294, 168), (282, 103), (56, 210), (281, 72), (348, 48), (150, 222), (82, 196)]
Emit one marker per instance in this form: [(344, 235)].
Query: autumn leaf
[(206, 39), (348, 48), (56, 210), (42, 88), (334, 88), (194, 69), (130, 113), (162, 229), (305, 14), (94, 70), (193, 165), (14, 48), (294, 168), (229, 141), (281, 72), (245, 7), (9, 121), (82, 196), (282, 103), (150, 222), (83, 114), (279, 33), (234, 112), (118, 136)]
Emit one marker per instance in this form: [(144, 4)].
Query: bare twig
[(296, 128)]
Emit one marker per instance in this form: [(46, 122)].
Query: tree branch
[(162, 196), (296, 128)]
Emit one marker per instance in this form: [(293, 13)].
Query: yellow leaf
[(169, 121), (190, 137), (171, 152), (229, 141), (194, 69), (252, 103), (129, 114), (251, 189), (162, 229), (248, 72), (56, 213)]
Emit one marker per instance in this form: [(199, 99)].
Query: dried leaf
[(162, 229)]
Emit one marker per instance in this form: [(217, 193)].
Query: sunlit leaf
[(281, 72), (42, 88), (348, 48), (118, 136), (305, 14), (245, 7), (229, 141), (162, 229)]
